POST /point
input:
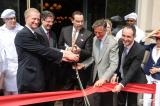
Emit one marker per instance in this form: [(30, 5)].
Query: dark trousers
[(127, 97), (70, 85), (1, 92), (101, 99)]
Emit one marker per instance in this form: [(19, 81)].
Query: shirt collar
[(129, 47), (44, 29), (104, 37), (74, 30), (30, 29)]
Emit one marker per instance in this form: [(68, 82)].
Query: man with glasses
[(131, 19), (7, 34), (50, 39)]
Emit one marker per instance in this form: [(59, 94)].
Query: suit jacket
[(50, 42), (84, 41), (106, 62), (51, 68), (132, 70), (151, 63), (32, 55)]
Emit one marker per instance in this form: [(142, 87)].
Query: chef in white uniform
[(131, 19), (8, 32)]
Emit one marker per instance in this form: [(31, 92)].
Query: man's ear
[(72, 20)]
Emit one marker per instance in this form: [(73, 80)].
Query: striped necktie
[(74, 37)]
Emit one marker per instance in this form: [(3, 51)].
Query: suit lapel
[(80, 38), (69, 36), (34, 35), (96, 49), (130, 53), (44, 35)]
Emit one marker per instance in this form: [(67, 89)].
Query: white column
[(148, 14)]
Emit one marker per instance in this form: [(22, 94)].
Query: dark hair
[(46, 14), (132, 27), (76, 13), (100, 22)]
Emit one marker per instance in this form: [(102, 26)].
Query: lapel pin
[(82, 40)]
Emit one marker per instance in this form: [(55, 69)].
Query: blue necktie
[(122, 61), (99, 46)]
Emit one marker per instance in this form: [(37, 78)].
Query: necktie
[(101, 44), (48, 35), (99, 47), (122, 61), (34, 33), (74, 37)]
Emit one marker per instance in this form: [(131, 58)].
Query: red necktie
[(48, 35)]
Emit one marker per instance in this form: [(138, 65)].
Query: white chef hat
[(131, 15), (8, 13)]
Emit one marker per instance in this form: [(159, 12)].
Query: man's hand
[(78, 66), (69, 48), (117, 88), (99, 83), (76, 49), (68, 56), (114, 79)]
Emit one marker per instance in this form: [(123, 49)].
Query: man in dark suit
[(47, 19), (129, 70), (78, 37), (33, 53)]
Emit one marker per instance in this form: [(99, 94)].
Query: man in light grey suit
[(105, 56)]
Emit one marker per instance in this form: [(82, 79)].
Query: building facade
[(147, 10)]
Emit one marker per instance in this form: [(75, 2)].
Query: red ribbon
[(25, 99)]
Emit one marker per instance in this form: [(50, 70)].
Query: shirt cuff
[(121, 85)]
